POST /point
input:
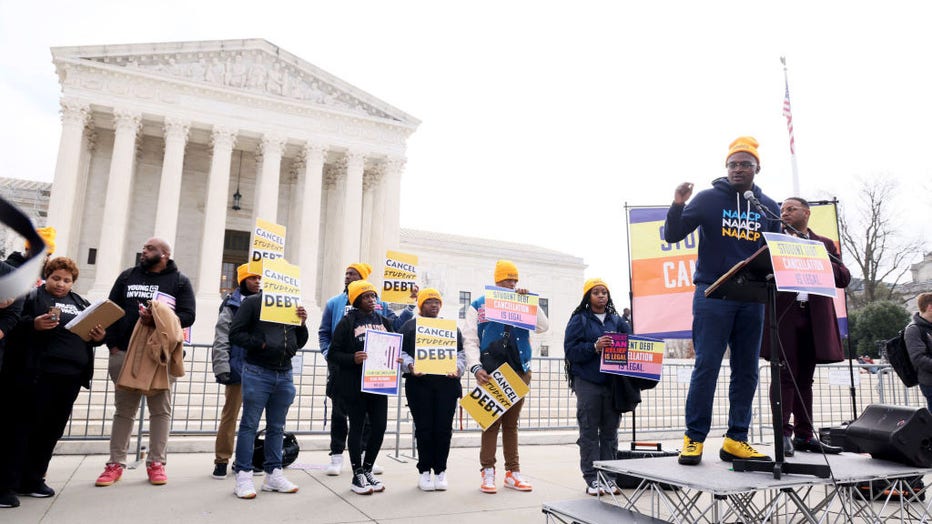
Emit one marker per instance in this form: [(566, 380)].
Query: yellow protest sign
[(268, 241), (435, 346), (486, 404), (399, 277), (281, 292)]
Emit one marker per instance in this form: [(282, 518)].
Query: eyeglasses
[(743, 165)]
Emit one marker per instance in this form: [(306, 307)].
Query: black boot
[(813, 445)]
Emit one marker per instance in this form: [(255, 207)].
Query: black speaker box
[(894, 433)]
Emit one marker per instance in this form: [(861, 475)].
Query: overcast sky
[(542, 119)]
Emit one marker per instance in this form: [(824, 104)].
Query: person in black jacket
[(133, 289), (584, 339), (347, 350), (268, 386), (48, 365), (431, 398)]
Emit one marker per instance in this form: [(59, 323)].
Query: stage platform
[(712, 492)]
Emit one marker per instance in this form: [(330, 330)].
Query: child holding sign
[(583, 342), (347, 352), (432, 396)]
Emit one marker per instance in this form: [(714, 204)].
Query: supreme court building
[(193, 141)]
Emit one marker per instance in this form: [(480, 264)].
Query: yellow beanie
[(48, 235), (744, 144), (363, 269), (428, 293), (505, 270), (357, 288), (591, 283), (250, 269)]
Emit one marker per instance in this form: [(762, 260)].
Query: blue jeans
[(717, 324), (927, 391), (272, 391)]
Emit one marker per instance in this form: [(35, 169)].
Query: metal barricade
[(198, 399)]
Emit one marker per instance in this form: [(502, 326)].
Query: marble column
[(166, 213), (64, 200), (369, 182), (377, 234), (308, 239), (333, 264), (111, 247), (215, 217), (352, 207), (215, 212), (268, 177), (392, 216)]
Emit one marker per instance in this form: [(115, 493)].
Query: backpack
[(898, 357), (502, 351)]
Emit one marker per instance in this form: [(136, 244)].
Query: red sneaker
[(157, 475), (111, 474)]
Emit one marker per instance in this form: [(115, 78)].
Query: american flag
[(789, 119)]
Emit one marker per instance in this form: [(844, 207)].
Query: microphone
[(749, 196)]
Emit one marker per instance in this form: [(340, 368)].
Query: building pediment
[(255, 66)]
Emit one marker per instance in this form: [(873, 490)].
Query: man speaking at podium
[(730, 230), (808, 330)]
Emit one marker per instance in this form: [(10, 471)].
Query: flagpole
[(789, 126)]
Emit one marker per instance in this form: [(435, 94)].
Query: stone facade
[(157, 139)]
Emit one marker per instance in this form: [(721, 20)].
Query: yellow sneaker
[(739, 449), (692, 452)]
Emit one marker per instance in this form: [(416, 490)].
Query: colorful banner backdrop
[(633, 356), (661, 276), (399, 277), (800, 265), (486, 404), (268, 241), (823, 219), (380, 369), (435, 346), (281, 292), (506, 306)]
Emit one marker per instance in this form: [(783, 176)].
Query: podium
[(752, 280)]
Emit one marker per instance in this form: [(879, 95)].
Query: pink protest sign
[(800, 265), (505, 306)]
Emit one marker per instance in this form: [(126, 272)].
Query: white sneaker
[(488, 481), (440, 481), (336, 465), (276, 481), (377, 470), (426, 482), (244, 489)]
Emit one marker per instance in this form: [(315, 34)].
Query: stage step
[(594, 511)]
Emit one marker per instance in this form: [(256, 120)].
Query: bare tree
[(872, 236)]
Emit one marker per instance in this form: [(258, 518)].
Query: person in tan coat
[(155, 280)]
